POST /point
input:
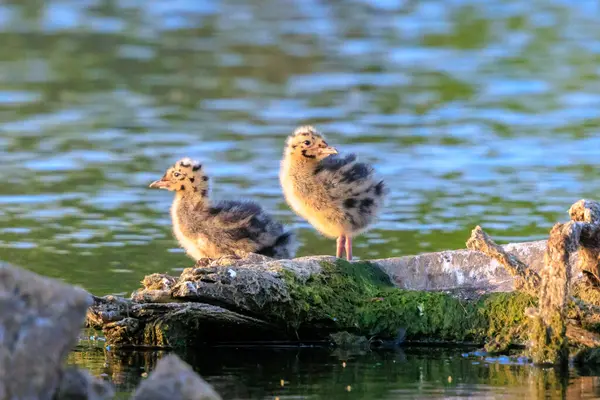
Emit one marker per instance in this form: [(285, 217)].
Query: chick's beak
[(329, 150), (159, 184)]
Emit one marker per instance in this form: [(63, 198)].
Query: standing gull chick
[(337, 195), (227, 228)]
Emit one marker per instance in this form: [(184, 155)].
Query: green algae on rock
[(358, 298), (444, 317), (334, 295)]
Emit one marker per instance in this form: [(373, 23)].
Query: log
[(305, 299), (168, 325), (486, 294), (446, 270)]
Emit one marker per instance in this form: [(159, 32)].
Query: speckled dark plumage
[(225, 228), (352, 181)]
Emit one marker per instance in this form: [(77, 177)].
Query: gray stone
[(40, 319), (77, 384), (173, 379)]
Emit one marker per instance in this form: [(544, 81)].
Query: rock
[(304, 300), (169, 325), (79, 384), (482, 295), (174, 380), (449, 296), (40, 319)]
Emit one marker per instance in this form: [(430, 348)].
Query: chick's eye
[(307, 142), (176, 174)]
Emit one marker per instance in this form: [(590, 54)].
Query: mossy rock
[(332, 297), (359, 298), (310, 301)]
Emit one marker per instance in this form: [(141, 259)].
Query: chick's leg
[(340, 242), (349, 248)]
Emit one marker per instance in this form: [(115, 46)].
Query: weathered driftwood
[(450, 269), (127, 322), (588, 212), (306, 299), (205, 305), (530, 282), (582, 234), (476, 295), (551, 325), (548, 339)]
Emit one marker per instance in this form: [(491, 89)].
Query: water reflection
[(475, 113), (260, 373)]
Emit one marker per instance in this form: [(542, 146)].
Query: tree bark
[(548, 339)]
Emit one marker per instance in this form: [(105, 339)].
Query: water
[(475, 112), (421, 373)]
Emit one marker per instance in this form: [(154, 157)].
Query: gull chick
[(339, 196), (226, 228)]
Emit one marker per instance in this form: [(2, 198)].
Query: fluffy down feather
[(226, 228)]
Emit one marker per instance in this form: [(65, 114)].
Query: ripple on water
[(19, 245)]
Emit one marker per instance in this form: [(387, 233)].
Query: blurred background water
[(475, 112)]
